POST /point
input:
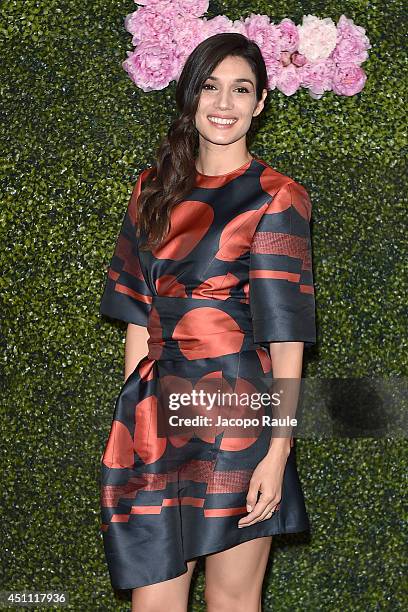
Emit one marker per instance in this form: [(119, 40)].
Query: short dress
[(233, 274)]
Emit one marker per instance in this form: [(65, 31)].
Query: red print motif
[(190, 221)]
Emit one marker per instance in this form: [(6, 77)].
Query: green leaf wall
[(75, 134)]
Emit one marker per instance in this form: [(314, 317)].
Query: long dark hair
[(173, 178)]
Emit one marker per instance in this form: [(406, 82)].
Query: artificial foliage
[(75, 134)]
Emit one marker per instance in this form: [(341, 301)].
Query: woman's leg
[(234, 577), (167, 595)]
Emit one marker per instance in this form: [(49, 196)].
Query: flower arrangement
[(317, 54)]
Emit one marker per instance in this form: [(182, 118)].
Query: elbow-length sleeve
[(126, 295), (281, 291)]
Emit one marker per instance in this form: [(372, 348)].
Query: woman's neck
[(211, 163)]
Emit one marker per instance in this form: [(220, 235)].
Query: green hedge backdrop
[(75, 134)]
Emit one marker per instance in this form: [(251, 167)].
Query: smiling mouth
[(221, 121)]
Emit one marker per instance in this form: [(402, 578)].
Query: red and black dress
[(233, 274)]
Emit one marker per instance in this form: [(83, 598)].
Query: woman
[(225, 288)]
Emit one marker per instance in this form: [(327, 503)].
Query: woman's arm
[(287, 358), (287, 361), (135, 346)]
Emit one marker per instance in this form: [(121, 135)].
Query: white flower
[(317, 37)]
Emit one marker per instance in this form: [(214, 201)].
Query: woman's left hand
[(267, 478)]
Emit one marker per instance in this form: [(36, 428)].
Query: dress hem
[(288, 530)]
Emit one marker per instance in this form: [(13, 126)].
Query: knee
[(219, 599), (147, 606), (149, 603), (141, 606)]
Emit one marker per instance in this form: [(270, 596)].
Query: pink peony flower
[(157, 5), (352, 43), (217, 25), (152, 66), (289, 35), (317, 76), (188, 35), (285, 58), (146, 24), (288, 79), (317, 54), (348, 79), (195, 8), (298, 59), (314, 96), (272, 69), (265, 34), (317, 37), (239, 26), (191, 34)]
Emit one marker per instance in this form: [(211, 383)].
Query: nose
[(224, 99)]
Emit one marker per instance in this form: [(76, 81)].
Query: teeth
[(222, 121)]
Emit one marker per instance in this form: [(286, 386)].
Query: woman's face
[(228, 94)]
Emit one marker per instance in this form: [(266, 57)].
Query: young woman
[(212, 272)]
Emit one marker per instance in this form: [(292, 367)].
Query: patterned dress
[(233, 274)]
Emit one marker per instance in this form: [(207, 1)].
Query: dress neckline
[(240, 169)]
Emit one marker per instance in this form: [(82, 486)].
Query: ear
[(259, 107)]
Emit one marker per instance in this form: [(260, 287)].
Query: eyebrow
[(213, 78)]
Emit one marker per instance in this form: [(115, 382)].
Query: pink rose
[(348, 79), (317, 76), (289, 35), (288, 80), (352, 43), (152, 66)]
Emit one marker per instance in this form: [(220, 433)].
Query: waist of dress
[(198, 328)]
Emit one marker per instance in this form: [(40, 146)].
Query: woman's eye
[(211, 85)]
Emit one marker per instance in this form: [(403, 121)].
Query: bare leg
[(234, 577), (167, 595)]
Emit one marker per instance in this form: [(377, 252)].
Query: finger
[(259, 513), (269, 512), (272, 509), (252, 495), (256, 512), (259, 509)]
